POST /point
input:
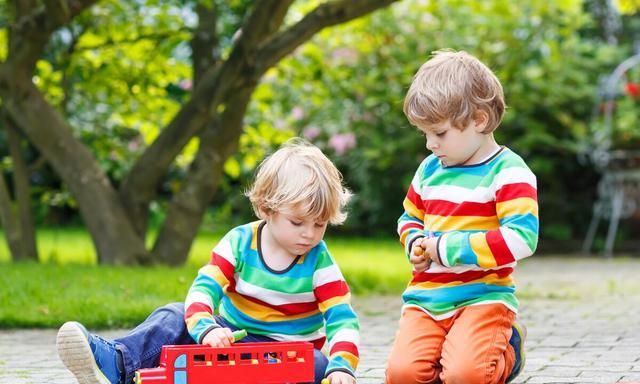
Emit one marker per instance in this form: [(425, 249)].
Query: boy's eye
[(440, 134), (320, 225), (296, 223)]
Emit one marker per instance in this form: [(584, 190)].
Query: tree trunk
[(102, 212), (22, 194), (9, 220), (217, 143)]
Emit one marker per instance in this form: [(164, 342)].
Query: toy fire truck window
[(273, 357), (198, 358), (181, 361), (180, 377), (226, 359)]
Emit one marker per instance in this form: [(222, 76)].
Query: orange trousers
[(472, 347)]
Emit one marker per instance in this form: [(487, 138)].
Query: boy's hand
[(339, 378), (420, 261), (218, 337), (430, 246)]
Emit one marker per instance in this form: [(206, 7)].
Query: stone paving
[(583, 318)]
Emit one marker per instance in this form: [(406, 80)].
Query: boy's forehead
[(434, 127), (294, 210)]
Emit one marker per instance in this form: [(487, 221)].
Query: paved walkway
[(583, 317)]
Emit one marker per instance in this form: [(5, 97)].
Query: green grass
[(46, 295), (67, 284), (74, 246)]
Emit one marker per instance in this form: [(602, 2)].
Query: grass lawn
[(68, 285)]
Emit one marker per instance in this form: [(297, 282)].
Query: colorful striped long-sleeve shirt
[(309, 301), (486, 219)]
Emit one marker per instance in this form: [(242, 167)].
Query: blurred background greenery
[(120, 72), (342, 90)]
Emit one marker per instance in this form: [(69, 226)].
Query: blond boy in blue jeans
[(274, 278), (470, 214)]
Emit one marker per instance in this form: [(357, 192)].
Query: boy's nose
[(432, 145)]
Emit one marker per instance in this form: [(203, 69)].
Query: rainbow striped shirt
[(301, 303), (486, 218)]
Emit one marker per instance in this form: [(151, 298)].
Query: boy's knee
[(171, 313), (407, 372), (173, 308)]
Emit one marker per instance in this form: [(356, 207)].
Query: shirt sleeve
[(208, 288), (341, 322), (517, 236), (411, 222)]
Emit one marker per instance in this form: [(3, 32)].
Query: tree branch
[(265, 19), (32, 29), (217, 142), (63, 11), (24, 7), (242, 70), (139, 187), (204, 42), (325, 15)]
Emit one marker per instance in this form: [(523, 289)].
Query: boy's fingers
[(416, 259)]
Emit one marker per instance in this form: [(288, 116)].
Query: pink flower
[(133, 145), (280, 125), (311, 133), (342, 142), (297, 113), (186, 84), (346, 55)]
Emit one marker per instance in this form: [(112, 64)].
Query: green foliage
[(121, 71), (344, 91), (628, 7), (118, 74), (617, 117)]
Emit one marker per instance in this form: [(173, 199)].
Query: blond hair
[(299, 176), (453, 86)]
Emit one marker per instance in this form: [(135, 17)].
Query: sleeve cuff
[(206, 332), (442, 251), (339, 370)]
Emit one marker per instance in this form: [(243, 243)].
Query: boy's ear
[(263, 214), (480, 120)]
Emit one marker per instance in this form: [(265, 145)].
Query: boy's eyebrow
[(434, 129)]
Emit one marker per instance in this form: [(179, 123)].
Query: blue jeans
[(165, 326)]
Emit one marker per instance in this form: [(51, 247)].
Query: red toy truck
[(242, 363)]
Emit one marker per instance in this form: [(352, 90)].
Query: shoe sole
[(76, 355), (522, 332)]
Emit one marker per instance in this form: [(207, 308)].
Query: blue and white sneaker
[(91, 359), (517, 342)]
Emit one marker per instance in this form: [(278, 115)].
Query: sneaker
[(517, 342), (91, 359)]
